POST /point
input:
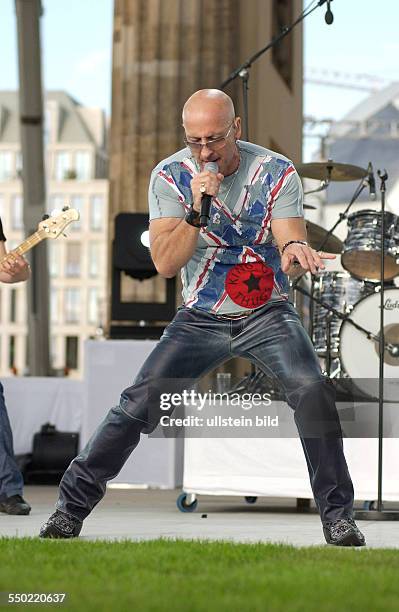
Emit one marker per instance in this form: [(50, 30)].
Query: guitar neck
[(28, 244)]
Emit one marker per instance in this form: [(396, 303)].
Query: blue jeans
[(11, 481), (193, 344)]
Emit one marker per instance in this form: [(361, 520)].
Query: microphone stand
[(368, 513), (243, 70)]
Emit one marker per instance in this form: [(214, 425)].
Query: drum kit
[(344, 305)]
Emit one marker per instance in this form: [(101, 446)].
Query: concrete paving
[(148, 514)]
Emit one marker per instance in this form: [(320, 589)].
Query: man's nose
[(205, 153)]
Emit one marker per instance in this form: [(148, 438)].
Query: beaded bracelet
[(293, 242)]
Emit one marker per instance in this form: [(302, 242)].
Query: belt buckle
[(237, 316)]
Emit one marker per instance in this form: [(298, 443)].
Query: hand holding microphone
[(205, 185)]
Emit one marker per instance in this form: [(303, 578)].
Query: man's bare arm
[(294, 228), (172, 243)]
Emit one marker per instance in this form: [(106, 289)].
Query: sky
[(77, 38)]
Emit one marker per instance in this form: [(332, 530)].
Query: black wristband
[(293, 242), (193, 218), (2, 237)]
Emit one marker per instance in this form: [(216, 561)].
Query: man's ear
[(238, 127)]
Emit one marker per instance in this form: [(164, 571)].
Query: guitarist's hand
[(14, 268)]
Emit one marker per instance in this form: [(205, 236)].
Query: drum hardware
[(331, 171), (381, 514), (329, 319), (363, 183), (318, 235), (362, 247), (323, 185), (389, 346)]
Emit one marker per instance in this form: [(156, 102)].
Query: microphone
[(371, 181), (329, 17), (207, 199)]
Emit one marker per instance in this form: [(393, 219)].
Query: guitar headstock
[(52, 227)]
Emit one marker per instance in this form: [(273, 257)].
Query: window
[(13, 306), (53, 351), (62, 165), (282, 53), (18, 164), (73, 254), (82, 165), (77, 203), (6, 165), (72, 305), (17, 212), (94, 259), (54, 258), (93, 309), (11, 352), (57, 202), (54, 305), (97, 213), (71, 352)]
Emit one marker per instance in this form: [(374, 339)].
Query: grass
[(167, 575)]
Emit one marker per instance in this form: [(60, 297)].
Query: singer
[(235, 303)]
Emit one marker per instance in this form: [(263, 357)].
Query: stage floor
[(148, 514)]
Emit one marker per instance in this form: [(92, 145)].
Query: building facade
[(76, 171)]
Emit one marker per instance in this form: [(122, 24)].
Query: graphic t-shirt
[(236, 264)]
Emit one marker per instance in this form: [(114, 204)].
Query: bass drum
[(359, 355)]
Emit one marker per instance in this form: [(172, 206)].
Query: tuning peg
[(65, 236), (45, 217), (65, 208)]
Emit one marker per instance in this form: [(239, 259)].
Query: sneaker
[(15, 505), (343, 532), (61, 525)]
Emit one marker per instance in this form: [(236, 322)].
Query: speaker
[(129, 253), (52, 452)]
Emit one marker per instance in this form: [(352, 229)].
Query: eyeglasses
[(214, 144)]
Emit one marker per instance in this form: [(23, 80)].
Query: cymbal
[(331, 171), (316, 235)]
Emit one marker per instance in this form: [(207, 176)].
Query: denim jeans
[(11, 482), (192, 345)]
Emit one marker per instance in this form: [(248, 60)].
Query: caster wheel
[(183, 506), (251, 499)]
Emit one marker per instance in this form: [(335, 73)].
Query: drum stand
[(362, 185), (380, 514)]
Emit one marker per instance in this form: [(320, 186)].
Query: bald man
[(235, 303)]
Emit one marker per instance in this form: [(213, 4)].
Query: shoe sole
[(52, 533), (350, 539), (19, 513)]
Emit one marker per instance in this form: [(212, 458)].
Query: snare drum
[(341, 291), (362, 247)]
